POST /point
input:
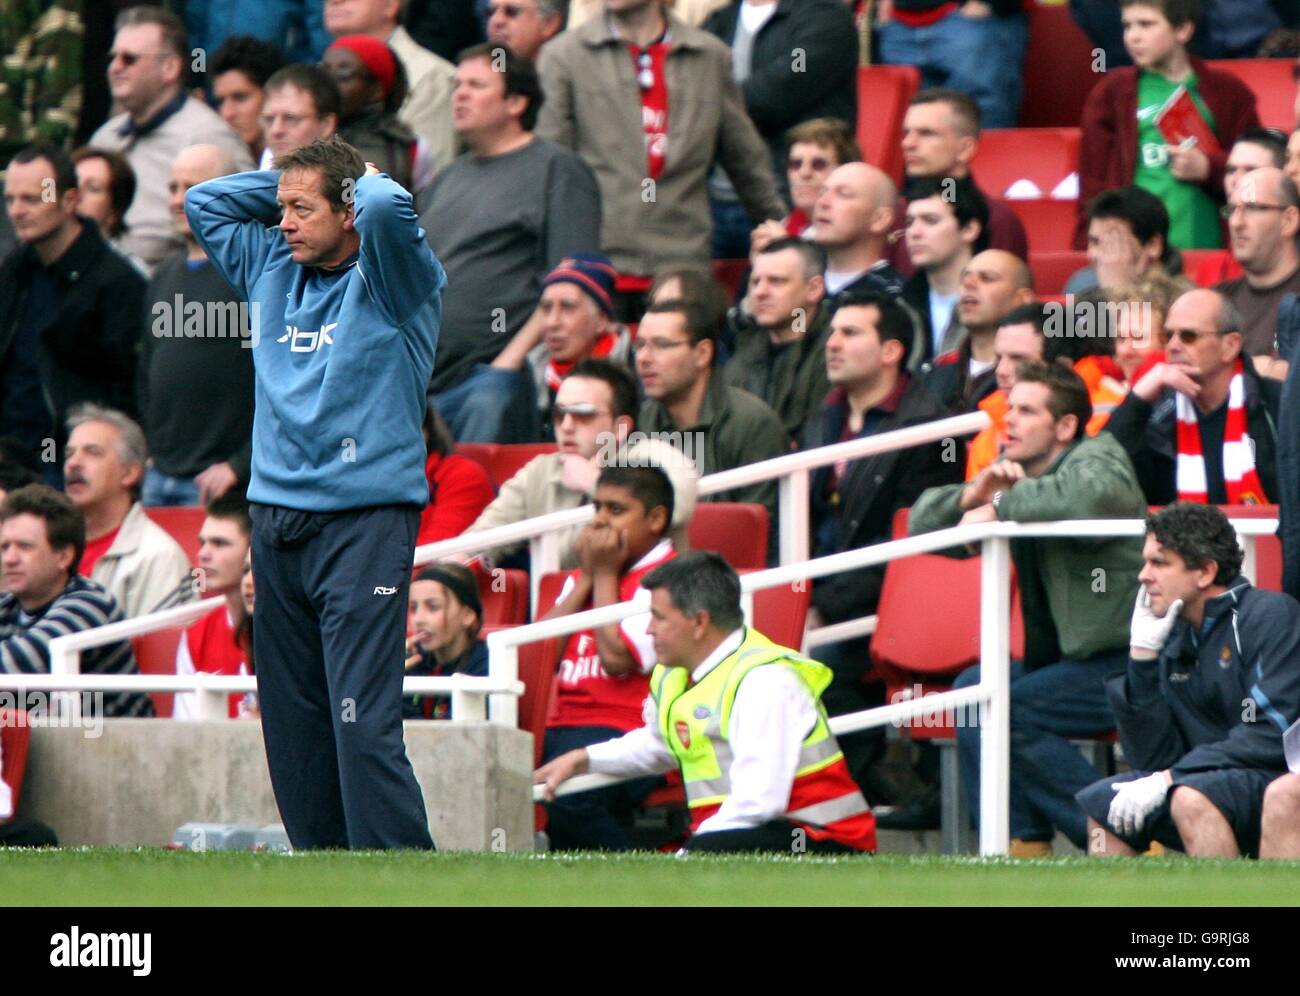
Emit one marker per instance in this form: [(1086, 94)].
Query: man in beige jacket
[(142, 567), (594, 417), (653, 166)]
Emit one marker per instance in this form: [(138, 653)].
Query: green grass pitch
[(85, 877)]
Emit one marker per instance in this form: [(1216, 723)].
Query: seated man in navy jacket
[(1213, 682)]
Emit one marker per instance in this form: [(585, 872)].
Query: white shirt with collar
[(772, 714)]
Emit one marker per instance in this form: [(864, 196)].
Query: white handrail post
[(503, 662), (468, 706), (543, 558), (995, 710), (792, 515), (212, 703), (65, 661), (747, 606), (1248, 560)]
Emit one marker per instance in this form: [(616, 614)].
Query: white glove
[(1136, 800), (1148, 631)]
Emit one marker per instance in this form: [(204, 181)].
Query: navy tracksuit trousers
[(328, 631)]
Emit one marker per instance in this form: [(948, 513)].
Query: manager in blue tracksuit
[(349, 300), (1213, 682)]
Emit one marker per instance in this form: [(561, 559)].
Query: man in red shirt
[(210, 644), (603, 678)]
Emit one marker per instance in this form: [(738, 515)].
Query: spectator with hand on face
[(816, 149), (445, 617), (595, 416), (1211, 686)]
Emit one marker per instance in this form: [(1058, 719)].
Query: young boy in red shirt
[(603, 679), (209, 645), (1121, 142)]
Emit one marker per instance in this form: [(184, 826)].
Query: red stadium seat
[(728, 273), (15, 735), (883, 95), (1049, 224), (156, 654), (480, 453), (508, 459), (1043, 156), (1268, 549), (1059, 72), (548, 591), (504, 594), (182, 523), (737, 530), (1052, 268), (1271, 82), (781, 613), (1193, 258)]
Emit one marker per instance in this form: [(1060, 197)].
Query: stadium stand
[(1028, 163), (1049, 224), (1273, 85), (737, 530), (883, 95), (182, 523), (1059, 71), (156, 654), (1052, 268), (15, 735)]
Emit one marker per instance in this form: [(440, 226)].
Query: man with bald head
[(993, 283), (196, 364), (1263, 223), (941, 134), (1183, 425), (851, 222)]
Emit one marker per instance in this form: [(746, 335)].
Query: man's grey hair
[(549, 8), (701, 581), (132, 449)]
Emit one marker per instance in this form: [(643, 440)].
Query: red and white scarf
[(1240, 480), (556, 372)]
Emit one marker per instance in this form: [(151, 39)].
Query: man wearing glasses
[(524, 26), (146, 74), (302, 105), (1202, 426), (595, 419), (1263, 216)]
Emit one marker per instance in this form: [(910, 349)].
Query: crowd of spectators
[(576, 167)]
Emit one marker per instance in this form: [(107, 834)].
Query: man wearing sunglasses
[(1263, 215), (146, 73), (595, 418), (524, 26), (1202, 426)]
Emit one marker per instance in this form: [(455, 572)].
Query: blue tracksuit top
[(342, 357)]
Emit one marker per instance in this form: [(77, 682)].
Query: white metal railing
[(991, 695), (791, 471), (543, 535)]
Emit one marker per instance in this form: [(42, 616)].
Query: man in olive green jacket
[(1076, 594)]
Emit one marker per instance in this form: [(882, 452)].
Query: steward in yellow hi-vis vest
[(742, 719), (695, 721)]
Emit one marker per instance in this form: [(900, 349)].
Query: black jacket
[(1288, 448), (1149, 433), (1220, 698), (88, 345), (872, 490), (780, 92)]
